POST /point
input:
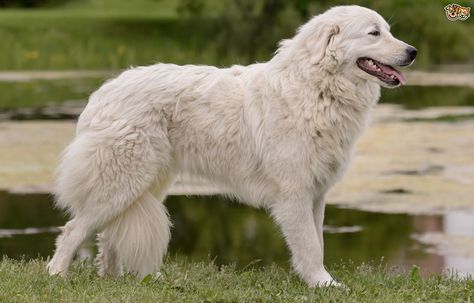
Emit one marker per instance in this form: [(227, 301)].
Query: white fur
[(276, 135)]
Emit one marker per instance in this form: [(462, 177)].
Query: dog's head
[(357, 42)]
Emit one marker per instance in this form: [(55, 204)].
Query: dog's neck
[(292, 67), (315, 84), (323, 101)]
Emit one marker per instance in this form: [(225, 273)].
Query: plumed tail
[(136, 241)]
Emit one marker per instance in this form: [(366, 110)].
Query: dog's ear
[(321, 45)]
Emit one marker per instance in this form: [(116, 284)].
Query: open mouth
[(385, 73)]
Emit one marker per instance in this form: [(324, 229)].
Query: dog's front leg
[(295, 218)]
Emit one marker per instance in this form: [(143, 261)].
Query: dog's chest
[(330, 154), (331, 135)]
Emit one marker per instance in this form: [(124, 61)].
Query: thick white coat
[(275, 135)]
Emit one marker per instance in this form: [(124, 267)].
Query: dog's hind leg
[(106, 259), (294, 214), (100, 177), (74, 233)]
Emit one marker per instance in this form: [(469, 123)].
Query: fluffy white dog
[(277, 135)]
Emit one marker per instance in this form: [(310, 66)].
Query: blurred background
[(407, 200)]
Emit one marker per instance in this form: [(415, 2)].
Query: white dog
[(277, 135)]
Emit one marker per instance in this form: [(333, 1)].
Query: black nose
[(412, 52)]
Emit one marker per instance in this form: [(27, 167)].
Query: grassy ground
[(205, 282), (95, 40), (112, 34), (108, 34)]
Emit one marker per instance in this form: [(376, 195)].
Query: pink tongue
[(390, 71)]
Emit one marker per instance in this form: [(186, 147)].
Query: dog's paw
[(55, 268), (324, 279), (331, 283)]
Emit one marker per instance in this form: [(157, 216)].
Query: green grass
[(113, 34), (59, 41), (106, 35), (180, 281)]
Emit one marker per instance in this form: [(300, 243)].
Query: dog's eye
[(375, 33)]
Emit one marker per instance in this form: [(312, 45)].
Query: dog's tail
[(136, 241)]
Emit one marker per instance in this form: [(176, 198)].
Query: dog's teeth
[(371, 64)]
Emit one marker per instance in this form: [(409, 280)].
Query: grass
[(112, 34), (108, 35), (69, 41), (180, 281)]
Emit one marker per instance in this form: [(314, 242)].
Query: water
[(209, 228), (417, 97)]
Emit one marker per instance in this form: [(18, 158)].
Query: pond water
[(210, 228)]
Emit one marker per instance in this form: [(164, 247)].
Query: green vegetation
[(106, 34), (180, 281)]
